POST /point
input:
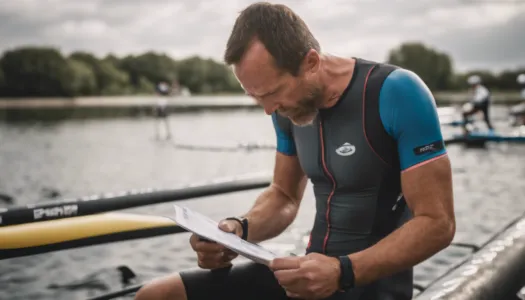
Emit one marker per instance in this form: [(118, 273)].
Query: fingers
[(230, 254), (231, 226), (214, 265), (199, 245), (210, 259), (214, 260), (228, 226), (292, 282), (212, 255), (285, 263), (287, 277), (209, 247)]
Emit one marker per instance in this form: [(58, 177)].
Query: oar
[(42, 237), (110, 202), (120, 293)]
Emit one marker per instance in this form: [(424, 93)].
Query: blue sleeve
[(285, 142), (409, 114)]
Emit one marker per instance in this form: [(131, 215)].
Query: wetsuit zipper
[(331, 177)]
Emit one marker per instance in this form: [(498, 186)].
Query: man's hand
[(211, 255), (314, 276)]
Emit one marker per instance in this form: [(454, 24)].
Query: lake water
[(84, 157)]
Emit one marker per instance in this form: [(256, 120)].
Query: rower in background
[(517, 112), (160, 110), (480, 103)]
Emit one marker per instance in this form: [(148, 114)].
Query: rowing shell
[(54, 235), (482, 137)]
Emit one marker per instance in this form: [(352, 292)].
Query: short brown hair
[(283, 33)]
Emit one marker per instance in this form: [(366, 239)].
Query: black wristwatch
[(347, 279), (244, 223)]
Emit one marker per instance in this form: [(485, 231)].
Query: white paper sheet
[(208, 228)]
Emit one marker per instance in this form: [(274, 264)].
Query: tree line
[(436, 69), (46, 72)]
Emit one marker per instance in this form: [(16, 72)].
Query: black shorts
[(252, 281), (241, 281), (161, 113), (481, 106)]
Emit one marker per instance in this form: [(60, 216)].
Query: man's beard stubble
[(307, 109)]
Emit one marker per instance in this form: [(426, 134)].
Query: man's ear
[(311, 62)]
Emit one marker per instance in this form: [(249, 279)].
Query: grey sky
[(476, 33)]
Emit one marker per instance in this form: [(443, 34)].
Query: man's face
[(297, 98)]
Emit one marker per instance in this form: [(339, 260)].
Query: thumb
[(227, 226)]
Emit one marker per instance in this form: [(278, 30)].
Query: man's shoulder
[(403, 80), (364, 61), (391, 74), (404, 89)]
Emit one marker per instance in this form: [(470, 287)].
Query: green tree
[(83, 82), (2, 83), (488, 79), (112, 59), (35, 71), (192, 74), (507, 79), (149, 66), (44, 72), (434, 68), (110, 80), (206, 76), (144, 86)]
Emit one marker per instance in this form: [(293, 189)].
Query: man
[(368, 137), (160, 110), (480, 102)]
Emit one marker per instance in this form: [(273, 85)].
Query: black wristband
[(347, 279), (244, 224)]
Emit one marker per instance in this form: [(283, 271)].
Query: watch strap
[(347, 278)]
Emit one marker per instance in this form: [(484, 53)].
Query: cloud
[(474, 33), (502, 45)]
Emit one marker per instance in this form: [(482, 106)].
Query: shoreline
[(24, 109)]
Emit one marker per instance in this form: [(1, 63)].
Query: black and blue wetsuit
[(385, 123)]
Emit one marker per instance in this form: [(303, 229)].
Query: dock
[(117, 106), (142, 105)]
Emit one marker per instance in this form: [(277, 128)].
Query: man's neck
[(336, 75)]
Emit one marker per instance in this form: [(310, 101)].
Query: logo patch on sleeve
[(429, 148)]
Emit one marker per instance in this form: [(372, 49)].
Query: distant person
[(518, 111), (480, 102), (160, 110), (163, 88)]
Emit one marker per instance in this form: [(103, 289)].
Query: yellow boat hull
[(41, 237)]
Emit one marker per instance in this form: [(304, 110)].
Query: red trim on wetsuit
[(333, 187), (424, 162)]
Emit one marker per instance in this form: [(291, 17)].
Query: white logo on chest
[(346, 149)]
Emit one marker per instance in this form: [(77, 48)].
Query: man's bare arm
[(428, 192), (276, 208)]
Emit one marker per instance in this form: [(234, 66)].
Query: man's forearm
[(410, 244), (271, 214)]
